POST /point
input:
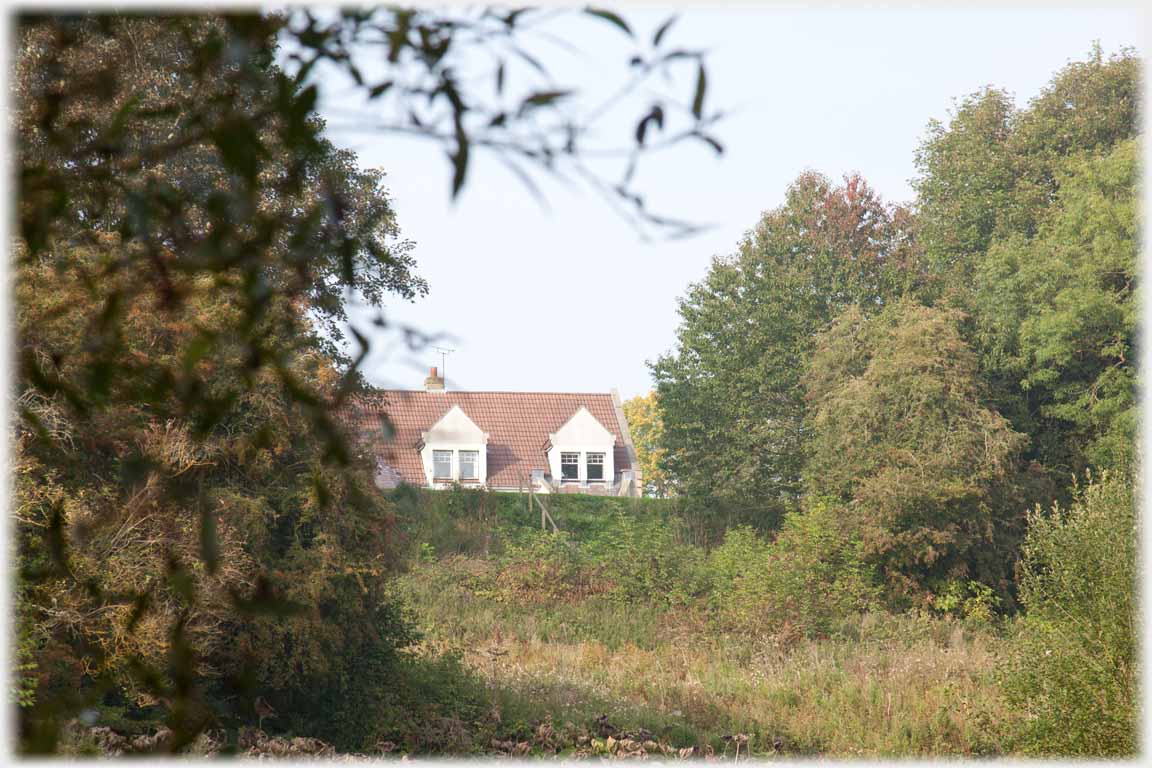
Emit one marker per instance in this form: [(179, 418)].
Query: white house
[(553, 442)]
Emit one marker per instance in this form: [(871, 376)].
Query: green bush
[(460, 521), (539, 566), (801, 584), (646, 560), (970, 600), (1072, 673)]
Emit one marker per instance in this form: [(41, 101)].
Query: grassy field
[(582, 665)]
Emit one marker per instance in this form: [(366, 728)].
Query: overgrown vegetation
[(792, 642), (200, 547), (1073, 669), (863, 404), (931, 373), (780, 643)]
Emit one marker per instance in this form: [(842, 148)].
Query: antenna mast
[(444, 352)]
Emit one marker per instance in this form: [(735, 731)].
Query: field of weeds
[(584, 671)]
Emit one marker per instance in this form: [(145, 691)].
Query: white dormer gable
[(455, 450), (582, 449), (583, 429), (455, 427)]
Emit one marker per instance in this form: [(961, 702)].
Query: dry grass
[(883, 686)]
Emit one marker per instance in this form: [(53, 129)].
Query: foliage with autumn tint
[(894, 445), (647, 429), (730, 393), (200, 547), (902, 435), (935, 372)]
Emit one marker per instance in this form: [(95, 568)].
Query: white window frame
[(475, 477), (589, 463), (581, 434), (438, 454), (574, 462)]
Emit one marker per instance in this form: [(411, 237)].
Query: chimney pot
[(434, 382)]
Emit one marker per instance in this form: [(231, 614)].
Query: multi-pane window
[(469, 465), (569, 466), (595, 466), (442, 465)]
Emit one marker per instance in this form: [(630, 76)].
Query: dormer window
[(595, 469), (570, 467), (455, 450), (580, 451), (442, 466)]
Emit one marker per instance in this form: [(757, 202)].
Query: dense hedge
[(468, 521)]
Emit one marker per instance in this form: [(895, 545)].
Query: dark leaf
[(239, 146), (459, 158), (656, 115), (701, 88), (181, 581), (140, 606), (543, 98), (662, 31), (612, 18), (679, 54), (711, 142)]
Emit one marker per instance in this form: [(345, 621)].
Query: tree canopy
[(1026, 218), (964, 357), (730, 392)]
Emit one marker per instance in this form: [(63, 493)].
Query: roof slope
[(518, 425)]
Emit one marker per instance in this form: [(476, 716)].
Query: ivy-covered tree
[(730, 391), (902, 435)]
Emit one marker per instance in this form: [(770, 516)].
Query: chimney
[(434, 382)]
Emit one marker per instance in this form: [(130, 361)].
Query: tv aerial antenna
[(444, 352)]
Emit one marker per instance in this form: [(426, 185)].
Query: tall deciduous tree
[(964, 190), (1057, 313), (1044, 275), (901, 433), (730, 391), (993, 169)]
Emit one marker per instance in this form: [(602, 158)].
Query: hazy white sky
[(572, 300)]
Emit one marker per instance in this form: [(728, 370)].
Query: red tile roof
[(517, 423)]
